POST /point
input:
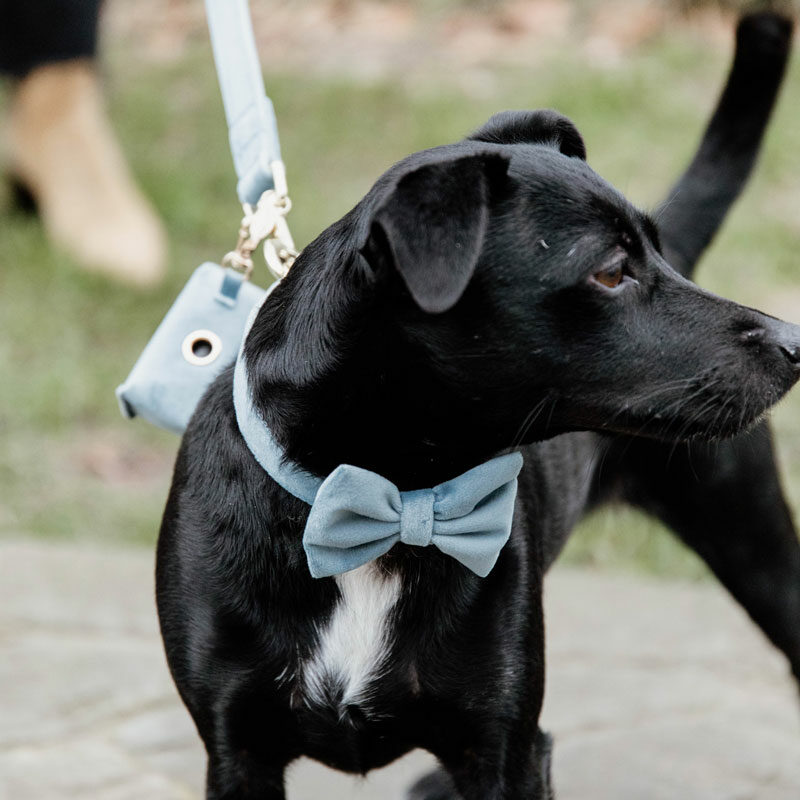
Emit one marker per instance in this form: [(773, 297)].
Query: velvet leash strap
[(253, 129)]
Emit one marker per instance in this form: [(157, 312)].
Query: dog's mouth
[(707, 407), (725, 424)]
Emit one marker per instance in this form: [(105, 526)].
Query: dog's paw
[(436, 785)]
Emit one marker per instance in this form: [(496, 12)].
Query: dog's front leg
[(520, 771), (440, 784), (533, 784), (485, 733), (249, 743), (242, 775)]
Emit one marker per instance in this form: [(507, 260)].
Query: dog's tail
[(699, 201)]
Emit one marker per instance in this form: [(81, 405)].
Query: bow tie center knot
[(416, 518)]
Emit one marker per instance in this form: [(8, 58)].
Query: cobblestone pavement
[(656, 691)]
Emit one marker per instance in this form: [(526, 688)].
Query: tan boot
[(62, 149)]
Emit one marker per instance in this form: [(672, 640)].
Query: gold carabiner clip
[(266, 222)]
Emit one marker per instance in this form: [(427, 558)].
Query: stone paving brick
[(655, 691)]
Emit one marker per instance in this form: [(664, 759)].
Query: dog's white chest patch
[(355, 642)]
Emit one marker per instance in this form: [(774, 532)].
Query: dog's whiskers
[(527, 423)]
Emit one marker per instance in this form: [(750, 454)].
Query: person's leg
[(60, 145), (37, 32)]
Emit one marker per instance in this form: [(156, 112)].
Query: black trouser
[(36, 32)]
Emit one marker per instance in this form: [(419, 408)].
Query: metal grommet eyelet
[(201, 347)]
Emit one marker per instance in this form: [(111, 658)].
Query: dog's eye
[(611, 277), (615, 274)]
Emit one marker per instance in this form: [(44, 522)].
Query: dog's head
[(499, 289)]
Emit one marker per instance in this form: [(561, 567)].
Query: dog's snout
[(754, 335)]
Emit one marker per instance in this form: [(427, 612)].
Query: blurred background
[(658, 686), (356, 84)]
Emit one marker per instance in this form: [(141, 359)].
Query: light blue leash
[(252, 128), (253, 137)]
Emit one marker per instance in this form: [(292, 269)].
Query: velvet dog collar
[(357, 515)]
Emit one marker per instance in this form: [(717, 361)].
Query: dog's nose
[(787, 337), (784, 336), (792, 352)]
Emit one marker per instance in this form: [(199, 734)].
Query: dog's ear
[(533, 127), (432, 223)]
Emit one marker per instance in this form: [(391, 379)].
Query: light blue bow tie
[(356, 515)]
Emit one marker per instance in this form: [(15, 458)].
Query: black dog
[(489, 295)]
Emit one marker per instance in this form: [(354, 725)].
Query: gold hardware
[(267, 221)]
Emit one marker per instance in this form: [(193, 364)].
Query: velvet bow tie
[(357, 515)]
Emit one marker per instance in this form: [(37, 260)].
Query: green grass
[(71, 468)]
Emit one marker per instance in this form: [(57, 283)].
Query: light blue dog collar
[(357, 515)]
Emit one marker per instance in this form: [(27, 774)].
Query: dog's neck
[(350, 419), (333, 387)]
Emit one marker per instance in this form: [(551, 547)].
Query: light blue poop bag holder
[(202, 331)]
